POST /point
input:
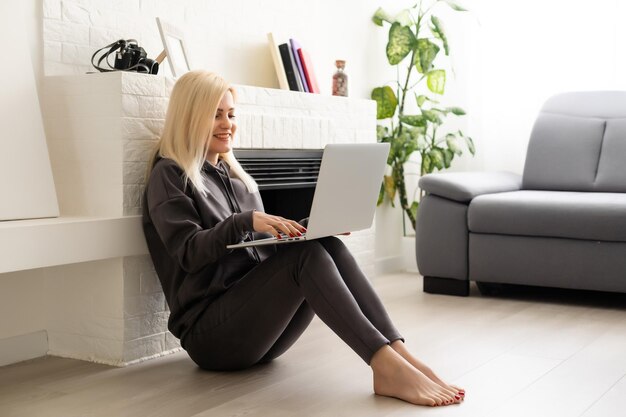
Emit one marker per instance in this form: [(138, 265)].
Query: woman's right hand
[(267, 223)]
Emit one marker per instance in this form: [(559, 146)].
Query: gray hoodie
[(187, 235)]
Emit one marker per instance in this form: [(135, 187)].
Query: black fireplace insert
[(286, 178)]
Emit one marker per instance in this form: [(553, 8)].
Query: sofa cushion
[(565, 214), (611, 175), (578, 143), (563, 153)]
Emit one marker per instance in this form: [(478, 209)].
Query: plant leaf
[(404, 146), (452, 143), (418, 138), (455, 6), (436, 157), (409, 147), (401, 43), (392, 155), (381, 133), (421, 99), (470, 145), (437, 29), (426, 51), (432, 116), (417, 132), (380, 16), (427, 165), (413, 208), (456, 110), (381, 194), (440, 111), (448, 156), (436, 81), (390, 187), (422, 143), (386, 102), (413, 120)]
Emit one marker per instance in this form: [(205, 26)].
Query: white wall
[(226, 37), (21, 302), (526, 52)]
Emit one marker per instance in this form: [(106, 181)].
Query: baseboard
[(23, 347), (156, 355), (116, 363), (408, 254), (389, 264)]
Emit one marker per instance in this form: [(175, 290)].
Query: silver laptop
[(345, 195)]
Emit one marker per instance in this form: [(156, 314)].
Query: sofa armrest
[(464, 186)]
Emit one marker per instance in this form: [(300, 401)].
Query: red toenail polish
[(457, 397)]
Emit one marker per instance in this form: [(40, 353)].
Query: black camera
[(129, 56)]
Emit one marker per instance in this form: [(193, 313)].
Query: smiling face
[(224, 128)]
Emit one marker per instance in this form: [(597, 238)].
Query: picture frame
[(174, 48)]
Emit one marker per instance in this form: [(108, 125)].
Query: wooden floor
[(526, 353)]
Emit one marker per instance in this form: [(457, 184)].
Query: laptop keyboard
[(287, 237)]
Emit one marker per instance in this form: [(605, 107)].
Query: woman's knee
[(303, 251), (310, 258), (332, 243), (314, 252)]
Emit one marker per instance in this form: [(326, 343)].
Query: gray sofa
[(561, 224)]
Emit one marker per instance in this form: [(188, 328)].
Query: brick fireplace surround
[(108, 306)]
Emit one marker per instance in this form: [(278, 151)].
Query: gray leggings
[(266, 311)]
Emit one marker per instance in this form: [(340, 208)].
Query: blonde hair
[(188, 126)]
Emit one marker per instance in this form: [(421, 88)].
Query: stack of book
[(293, 66)]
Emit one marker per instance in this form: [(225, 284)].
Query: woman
[(233, 309)]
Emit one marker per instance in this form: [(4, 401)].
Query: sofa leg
[(447, 286), (489, 289)]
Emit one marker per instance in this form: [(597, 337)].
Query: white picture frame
[(175, 49)]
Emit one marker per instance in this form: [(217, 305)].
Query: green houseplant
[(416, 38)]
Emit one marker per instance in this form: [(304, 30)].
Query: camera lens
[(148, 66)]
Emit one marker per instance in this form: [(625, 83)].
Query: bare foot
[(395, 377), (401, 349)]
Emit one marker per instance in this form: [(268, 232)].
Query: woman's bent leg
[(238, 329), (360, 287), (372, 307), (293, 331)]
